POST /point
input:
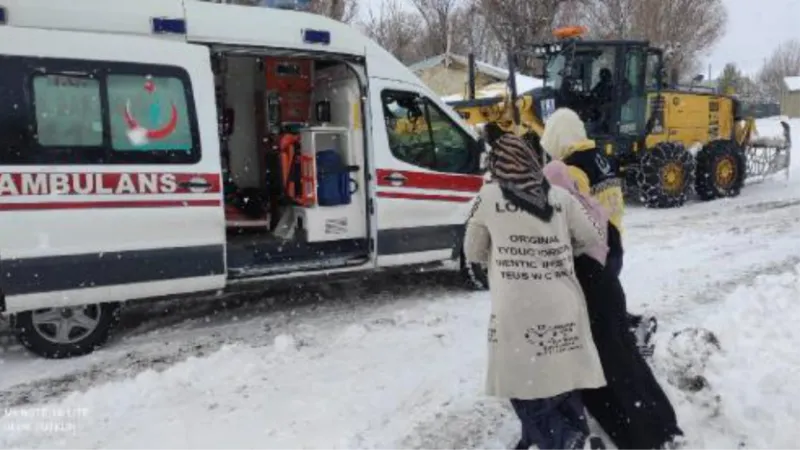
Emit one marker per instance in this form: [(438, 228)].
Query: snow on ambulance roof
[(792, 83), (206, 22)]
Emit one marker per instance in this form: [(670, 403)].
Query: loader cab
[(605, 82)]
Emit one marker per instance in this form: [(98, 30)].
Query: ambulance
[(168, 148)]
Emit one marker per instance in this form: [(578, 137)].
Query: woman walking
[(565, 139), (541, 351), (632, 409)]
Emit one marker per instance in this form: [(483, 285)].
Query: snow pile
[(397, 377), (752, 372), (792, 83)]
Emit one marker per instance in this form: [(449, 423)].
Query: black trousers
[(614, 265), (632, 408), (551, 423)]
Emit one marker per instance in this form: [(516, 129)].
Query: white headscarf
[(562, 130)]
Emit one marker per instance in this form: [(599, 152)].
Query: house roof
[(792, 83), (524, 82), (482, 67)]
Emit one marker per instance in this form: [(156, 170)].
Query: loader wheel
[(665, 175), (721, 169)]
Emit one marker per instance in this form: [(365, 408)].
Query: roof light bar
[(316, 37), (163, 25)]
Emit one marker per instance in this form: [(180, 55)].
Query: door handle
[(195, 184), (396, 178)]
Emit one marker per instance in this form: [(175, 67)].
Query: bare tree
[(470, 33), (784, 62), (437, 15), (396, 30), (341, 10), (688, 28), (520, 23), (609, 19)]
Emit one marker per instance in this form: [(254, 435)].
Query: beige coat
[(540, 342)]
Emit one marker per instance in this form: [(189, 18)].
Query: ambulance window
[(421, 134), (149, 114), (68, 111)]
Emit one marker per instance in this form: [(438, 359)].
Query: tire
[(665, 175), (721, 169), (88, 327), (476, 276)]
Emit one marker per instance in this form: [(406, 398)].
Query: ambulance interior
[(293, 159)]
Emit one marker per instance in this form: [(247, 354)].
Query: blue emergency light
[(316, 37), (3, 16), (163, 25)]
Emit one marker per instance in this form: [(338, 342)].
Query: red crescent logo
[(158, 133)]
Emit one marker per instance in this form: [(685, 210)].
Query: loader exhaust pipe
[(471, 76), (512, 86)]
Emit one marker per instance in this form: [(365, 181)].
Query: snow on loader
[(667, 140)]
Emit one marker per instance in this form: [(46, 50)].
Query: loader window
[(421, 134), (553, 69), (634, 102)]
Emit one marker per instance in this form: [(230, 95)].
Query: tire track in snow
[(146, 343)]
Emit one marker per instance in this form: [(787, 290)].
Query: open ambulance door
[(363, 124)]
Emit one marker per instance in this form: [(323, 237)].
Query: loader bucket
[(769, 155)]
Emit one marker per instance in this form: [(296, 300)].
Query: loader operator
[(602, 96)]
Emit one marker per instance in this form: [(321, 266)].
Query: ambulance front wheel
[(58, 333), (476, 276)]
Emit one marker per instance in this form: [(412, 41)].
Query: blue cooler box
[(333, 179)]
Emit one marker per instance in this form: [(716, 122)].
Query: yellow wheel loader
[(666, 140)]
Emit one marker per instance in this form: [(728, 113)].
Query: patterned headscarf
[(516, 169)]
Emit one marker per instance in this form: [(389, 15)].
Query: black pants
[(555, 422), (632, 408), (614, 265)]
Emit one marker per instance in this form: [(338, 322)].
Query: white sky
[(755, 28)]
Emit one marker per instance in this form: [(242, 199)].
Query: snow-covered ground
[(398, 360)]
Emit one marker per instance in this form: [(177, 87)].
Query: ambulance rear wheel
[(58, 333), (476, 276)]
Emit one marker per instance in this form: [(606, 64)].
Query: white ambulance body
[(114, 119)]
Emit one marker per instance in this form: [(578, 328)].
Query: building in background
[(448, 76), (790, 100)]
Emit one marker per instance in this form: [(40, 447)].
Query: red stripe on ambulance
[(41, 206), (429, 180), (430, 197), (83, 183)]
